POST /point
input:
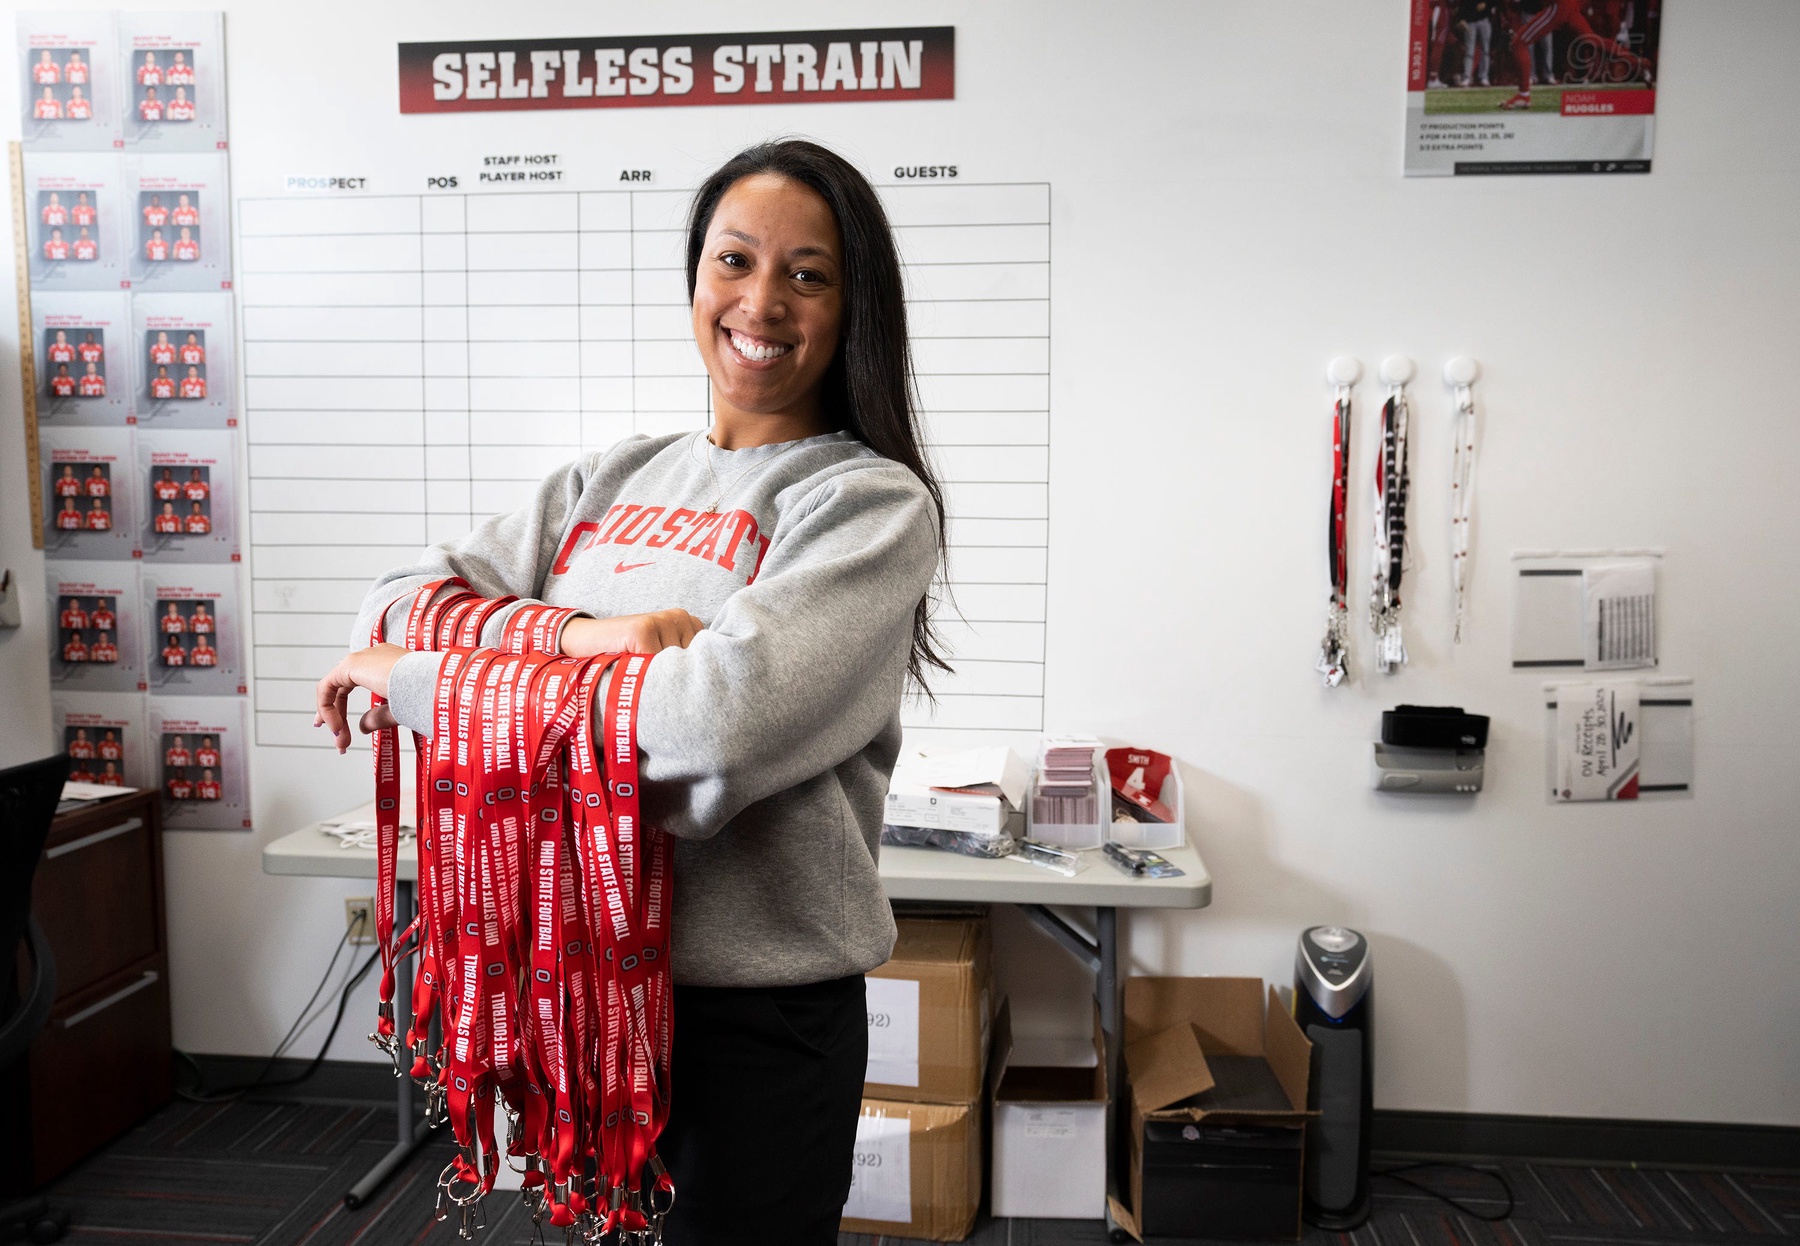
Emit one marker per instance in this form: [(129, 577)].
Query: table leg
[(409, 1133), (1106, 990)]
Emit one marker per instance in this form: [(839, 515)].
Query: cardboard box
[(918, 1171), (930, 1011), (1218, 1076), (1049, 1133)]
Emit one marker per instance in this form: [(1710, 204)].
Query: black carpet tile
[(275, 1173)]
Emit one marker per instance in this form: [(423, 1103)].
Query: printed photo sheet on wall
[(127, 207)]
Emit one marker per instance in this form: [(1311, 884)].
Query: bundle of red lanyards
[(543, 923)]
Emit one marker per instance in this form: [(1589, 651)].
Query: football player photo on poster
[(89, 493), (72, 222), (199, 762), (184, 361), (103, 735), (171, 69), (191, 630), (189, 511), (83, 372), (97, 633), (68, 81), (178, 212)]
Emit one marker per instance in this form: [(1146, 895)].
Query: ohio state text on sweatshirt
[(768, 742)]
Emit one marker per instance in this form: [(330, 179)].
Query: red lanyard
[(1334, 651), (543, 922)]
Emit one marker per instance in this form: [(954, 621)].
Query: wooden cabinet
[(103, 1062)]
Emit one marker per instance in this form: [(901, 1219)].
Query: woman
[(780, 567)]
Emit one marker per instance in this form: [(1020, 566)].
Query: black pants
[(762, 1130)]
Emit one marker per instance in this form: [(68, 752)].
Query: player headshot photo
[(92, 348), (180, 71), (47, 107), (174, 651), (193, 350), (187, 247), (156, 249), (162, 350), (68, 516), (154, 213), (98, 483), (202, 622), (162, 385), (196, 522), (85, 246), (173, 622), (83, 213), (180, 107), (176, 783), (193, 385), (104, 650), (197, 487), (150, 107), (208, 786), (73, 617), (98, 517), (163, 485), (109, 775), (53, 211), (45, 71), (149, 73), (186, 211), (111, 746), (203, 653), (62, 382), (166, 522), (92, 383), (56, 247), (79, 107)]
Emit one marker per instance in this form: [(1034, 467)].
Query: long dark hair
[(869, 385)]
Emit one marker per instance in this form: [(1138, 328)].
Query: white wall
[(1228, 214)]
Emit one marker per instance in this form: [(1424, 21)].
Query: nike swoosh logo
[(628, 566)]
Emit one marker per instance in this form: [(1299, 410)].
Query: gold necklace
[(721, 492)]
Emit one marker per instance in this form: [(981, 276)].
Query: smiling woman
[(779, 565)]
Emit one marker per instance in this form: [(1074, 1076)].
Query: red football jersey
[(162, 354), (193, 387), (105, 651), (150, 110), (181, 789), (73, 620), (80, 774), (55, 214), (156, 249), (174, 655), (82, 214), (76, 73), (201, 625), (75, 651), (167, 490), (62, 386), (79, 110), (196, 490), (187, 249), (192, 355), (181, 110), (179, 76), (46, 110), (109, 780), (97, 487), (178, 757), (206, 758), (68, 521), (81, 750), (199, 525), (203, 657), (68, 487), (156, 216), (46, 75), (86, 249), (166, 523), (162, 387), (98, 521), (103, 619), (206, 791), (92, 386), (173, 624), (149, 75), (91, 352), (110, 751), (189, 215), (56, 249), (62, 352)]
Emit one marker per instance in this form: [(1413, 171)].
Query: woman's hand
[(630, 633), (366, 668)]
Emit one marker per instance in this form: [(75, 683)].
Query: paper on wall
[(1597, 742), (1619, 615), (881, 1179), (893, 1007)]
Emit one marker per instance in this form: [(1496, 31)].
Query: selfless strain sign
[(664, 71)]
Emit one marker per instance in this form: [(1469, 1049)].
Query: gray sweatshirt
[(768, 742)]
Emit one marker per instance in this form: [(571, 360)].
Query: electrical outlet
[(359, 918)]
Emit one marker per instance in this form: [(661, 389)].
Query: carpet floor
[(275, 1173)]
